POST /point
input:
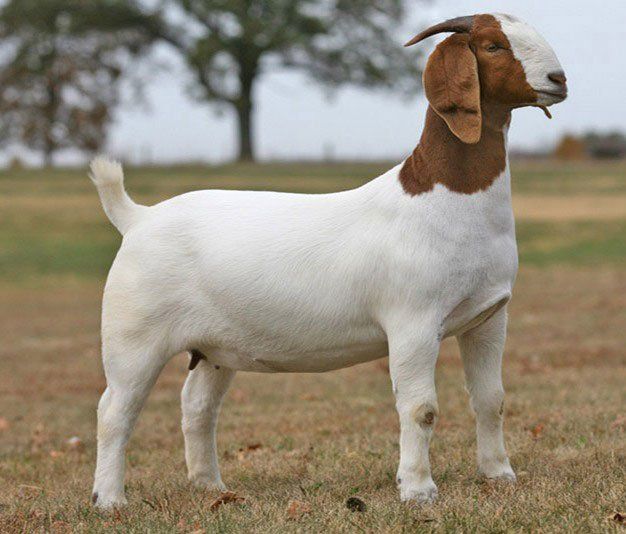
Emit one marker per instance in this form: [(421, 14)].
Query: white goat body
[(261, 281), (278, 282)]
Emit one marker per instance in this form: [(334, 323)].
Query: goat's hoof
[(501, 472), (504, 476), (104, 503), (208, 483), (420, 494)]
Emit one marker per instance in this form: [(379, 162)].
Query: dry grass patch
[(583, 207), (297, 447), (320, 439)]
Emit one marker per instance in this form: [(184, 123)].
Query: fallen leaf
[(225, 498), (75, 444), (244, 451), (296, 509), (537, 430), (55, 454), (4, 424), (354, 504)]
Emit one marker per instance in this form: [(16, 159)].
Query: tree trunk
[(50, 112), (48, 156), (245, 110), (244, 125)]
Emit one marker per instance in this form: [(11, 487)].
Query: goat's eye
[(492, 48)]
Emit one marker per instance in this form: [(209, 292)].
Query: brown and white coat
[(277, 282)]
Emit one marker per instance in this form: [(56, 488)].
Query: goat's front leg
[(481, 350), (201, 397), (412, 360)]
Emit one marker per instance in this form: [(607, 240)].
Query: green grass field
[(77, 239), (323, 438)]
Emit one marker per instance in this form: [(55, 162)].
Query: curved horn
[(456, 25)]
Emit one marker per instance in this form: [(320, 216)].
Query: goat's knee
[(425, 414), (488, 404)]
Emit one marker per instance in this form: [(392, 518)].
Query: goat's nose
[(558, 77)]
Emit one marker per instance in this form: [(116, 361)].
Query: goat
[(276, 282)]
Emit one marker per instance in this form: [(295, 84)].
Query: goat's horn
[(457, 25)]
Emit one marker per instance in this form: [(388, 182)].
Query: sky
[(296, 120)]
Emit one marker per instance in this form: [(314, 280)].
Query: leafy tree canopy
[(229, 44), (60, 65)]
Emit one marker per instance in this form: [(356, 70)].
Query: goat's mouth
[(547, 98)]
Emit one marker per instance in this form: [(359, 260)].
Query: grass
[(323, 438), (573, 178), (77, 239), (572, 243), (27, 256)]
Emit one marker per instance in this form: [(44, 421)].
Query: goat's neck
[(440, 157)]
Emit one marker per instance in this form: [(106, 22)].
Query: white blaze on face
[(536, 56)]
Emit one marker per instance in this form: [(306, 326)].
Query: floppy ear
[(452, 87)]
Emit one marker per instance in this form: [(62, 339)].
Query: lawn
[(318, 439)]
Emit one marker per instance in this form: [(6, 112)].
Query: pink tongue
[(546, 111)]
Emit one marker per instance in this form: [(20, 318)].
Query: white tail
[(108, 177)]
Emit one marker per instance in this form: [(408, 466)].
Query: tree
[(606, 145), (60, 67), (230, 44), (570, 147)]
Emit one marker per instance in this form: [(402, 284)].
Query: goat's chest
[(457, 251)]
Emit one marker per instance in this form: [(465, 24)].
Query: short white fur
[(535, 54), (279, 282)]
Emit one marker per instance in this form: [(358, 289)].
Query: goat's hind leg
[(130, 376), (481, 350), (201, 398)]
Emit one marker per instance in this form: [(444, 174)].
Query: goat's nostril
[(558, 77)]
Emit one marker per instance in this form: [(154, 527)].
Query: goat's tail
[(108, 177)]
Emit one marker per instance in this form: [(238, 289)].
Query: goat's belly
[(472, 312), (318, 361)]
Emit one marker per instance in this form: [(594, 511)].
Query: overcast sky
[(295, 119)]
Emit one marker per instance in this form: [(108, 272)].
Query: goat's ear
[(452, 87)]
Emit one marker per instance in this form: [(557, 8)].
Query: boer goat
[(277, 282)]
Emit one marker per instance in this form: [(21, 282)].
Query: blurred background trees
[(230, 44), (593, 144), (61, 61)]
